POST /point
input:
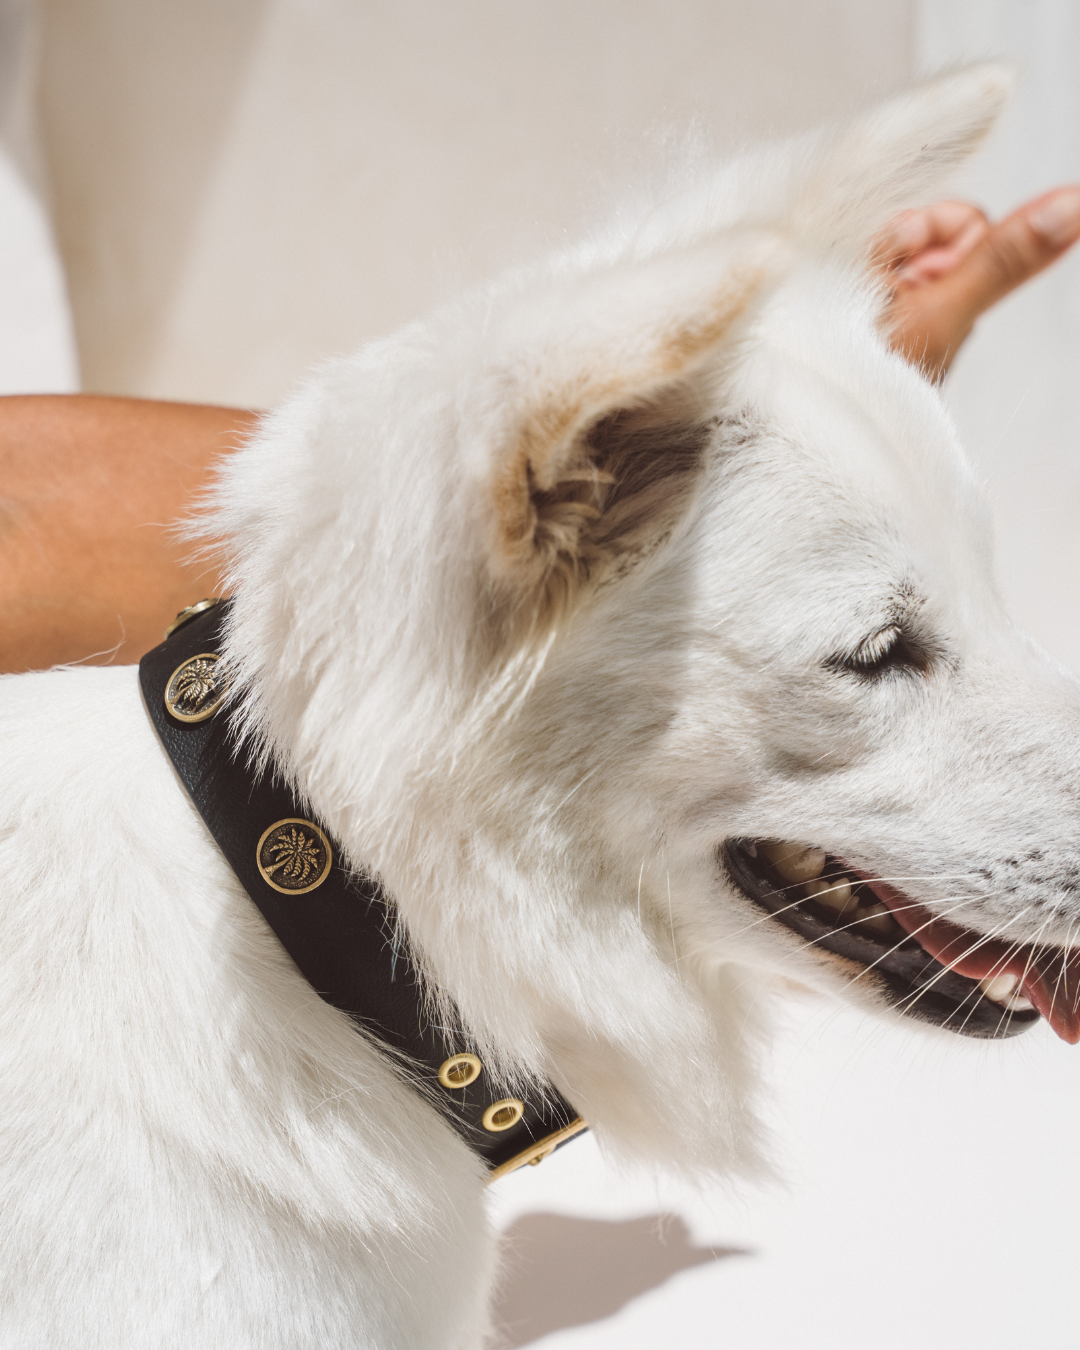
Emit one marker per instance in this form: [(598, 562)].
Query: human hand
[(944, 265)]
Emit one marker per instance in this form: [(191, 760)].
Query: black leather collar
[(336, 925)]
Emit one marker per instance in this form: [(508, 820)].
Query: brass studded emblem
[(196, 688), (294, 856)]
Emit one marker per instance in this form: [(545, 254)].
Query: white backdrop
[(241, 187), (37, 345)]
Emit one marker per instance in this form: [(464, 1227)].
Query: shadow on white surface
[(562, 1271)]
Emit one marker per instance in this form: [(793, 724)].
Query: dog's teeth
[(877, 919), (834, 895), (999, 988), (1002, 989), (793, 862)]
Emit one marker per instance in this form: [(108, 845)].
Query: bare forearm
[(91, 490)]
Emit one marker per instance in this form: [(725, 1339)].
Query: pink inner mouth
[(1049, 976)]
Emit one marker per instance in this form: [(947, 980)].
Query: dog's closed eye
[(889, 649)]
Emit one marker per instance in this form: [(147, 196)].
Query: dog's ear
[(594, 415), (831, 190), (898, 154), (591, 415)]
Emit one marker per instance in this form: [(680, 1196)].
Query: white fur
[(536, 707)]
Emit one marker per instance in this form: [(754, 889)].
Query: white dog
[(551, 607)]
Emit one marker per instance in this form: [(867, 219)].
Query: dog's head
[(635, 620)]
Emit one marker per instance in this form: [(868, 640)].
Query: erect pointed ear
[(594, 417), (831, 190), (898, 154)]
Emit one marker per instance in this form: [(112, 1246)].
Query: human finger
[(1012, 251), (947, 224), (927, 323), (938, 259)]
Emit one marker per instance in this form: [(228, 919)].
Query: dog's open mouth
[(929, 968)]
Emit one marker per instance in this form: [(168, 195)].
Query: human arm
[(91, 490)]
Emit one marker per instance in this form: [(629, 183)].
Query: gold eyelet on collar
[(459, 1071), (503, 1115), (192, 612)]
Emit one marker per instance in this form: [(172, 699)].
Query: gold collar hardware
[(192, 612), (536, 1153), (336, 922)]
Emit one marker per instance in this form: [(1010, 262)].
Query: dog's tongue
[(1049, 976)]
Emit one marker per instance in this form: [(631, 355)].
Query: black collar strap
[(334, 924)]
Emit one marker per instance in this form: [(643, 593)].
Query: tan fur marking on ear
[(541, 459), (693, 341), (553, 487), (553, 428), (514, 509)]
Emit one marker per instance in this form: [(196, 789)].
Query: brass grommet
[(503, 1115), (294, 856), (196, 689), (459, 1071), (192, 612)]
